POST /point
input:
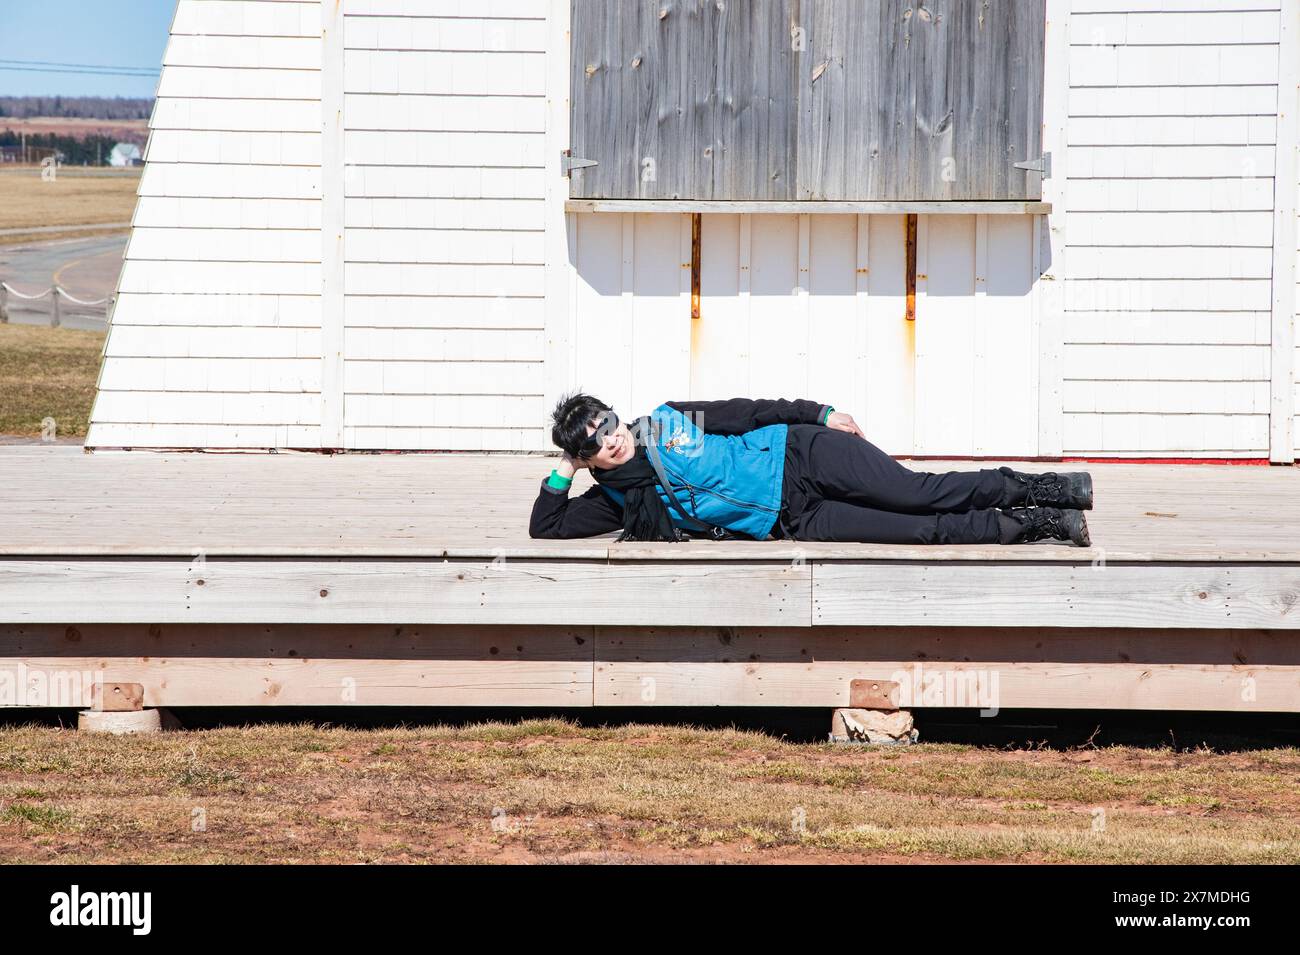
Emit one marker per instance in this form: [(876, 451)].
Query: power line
[(86, 66), (49, 69)]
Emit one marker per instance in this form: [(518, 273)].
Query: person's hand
[(844, 422), (569, 465)]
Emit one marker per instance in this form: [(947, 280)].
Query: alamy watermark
[(937, 686), (23, 685), (75, 907)]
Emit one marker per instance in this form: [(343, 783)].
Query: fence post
[(4, 304), (58, 317)]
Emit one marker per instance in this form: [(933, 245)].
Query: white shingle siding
[(279, 53), (444, 109), (215, 335), (398, 299), (239, 83), (246, 214), (245, 148), (1171, 151), (248, 18), (187, 309), (220, 302), (487, 213)]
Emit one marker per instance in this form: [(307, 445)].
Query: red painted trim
[(968, 457), (1251, 462)]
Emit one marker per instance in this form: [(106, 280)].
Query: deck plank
[(338, 590), (1004, 594), (61, 501)]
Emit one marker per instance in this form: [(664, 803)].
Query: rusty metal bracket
[(695, 264), (910, 268)]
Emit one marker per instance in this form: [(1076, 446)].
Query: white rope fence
[(56, 293)]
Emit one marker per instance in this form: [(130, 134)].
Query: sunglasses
[(605, 427)]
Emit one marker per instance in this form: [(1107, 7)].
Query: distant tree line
[(91, 151), (79, 107)]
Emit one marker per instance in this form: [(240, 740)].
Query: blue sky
[(131, 33)]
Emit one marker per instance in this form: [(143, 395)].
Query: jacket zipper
[(691, 489)]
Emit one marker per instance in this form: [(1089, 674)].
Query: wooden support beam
[(873, 694), (383, 665), (311, 665), (254, 681), (117, 697), (980, 667)]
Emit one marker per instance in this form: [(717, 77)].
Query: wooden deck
[(60, 500), (246, 578)]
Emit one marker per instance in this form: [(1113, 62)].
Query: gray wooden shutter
[(807, 99)]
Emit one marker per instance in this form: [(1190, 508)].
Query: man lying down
[(777, 469)]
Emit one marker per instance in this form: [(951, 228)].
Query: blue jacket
[(733, 481), (725, 460)]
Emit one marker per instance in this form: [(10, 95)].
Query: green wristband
[(558, 481), (829, 409)]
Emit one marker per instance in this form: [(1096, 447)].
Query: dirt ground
[(553, 791)]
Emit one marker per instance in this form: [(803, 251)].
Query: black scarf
[(645, 516)]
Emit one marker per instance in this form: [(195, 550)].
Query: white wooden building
[(354, 232)]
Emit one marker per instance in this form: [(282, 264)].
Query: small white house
[(1013, 228), (125, 154)]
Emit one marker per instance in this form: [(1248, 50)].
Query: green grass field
[(548, 790)]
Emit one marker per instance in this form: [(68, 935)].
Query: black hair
[(572, 414)]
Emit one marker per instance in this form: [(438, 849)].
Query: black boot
[(1025, 525), (1072, 489)]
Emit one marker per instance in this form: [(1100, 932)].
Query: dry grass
[(131, 130), (548, 790), (75, 197), (47, 372)]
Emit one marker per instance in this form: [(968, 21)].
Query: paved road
[(86, 268)]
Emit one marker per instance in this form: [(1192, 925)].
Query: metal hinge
[(1043, 166), (568, 162)]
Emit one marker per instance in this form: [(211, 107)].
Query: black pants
[(840, 487)]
